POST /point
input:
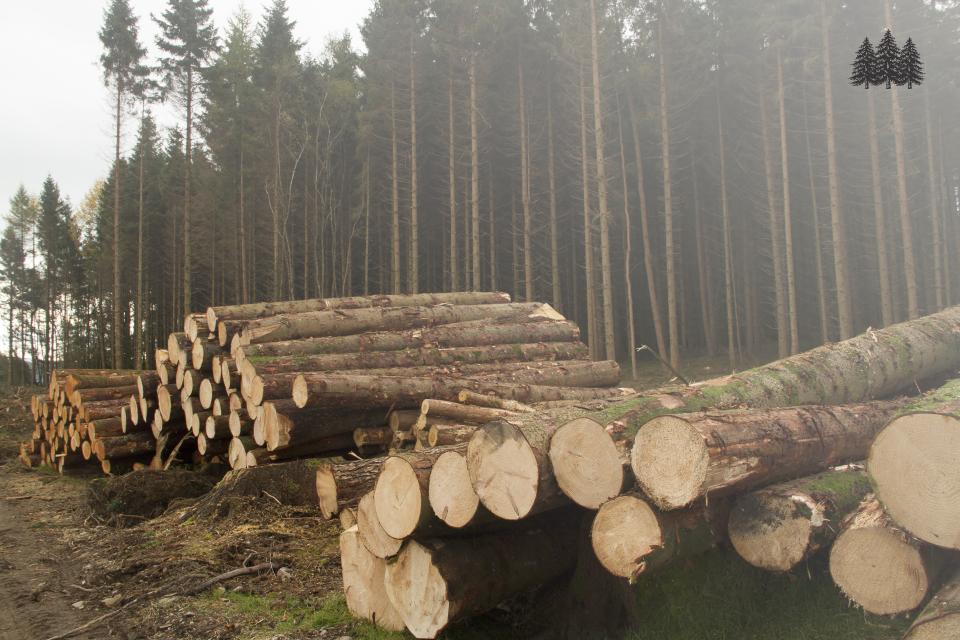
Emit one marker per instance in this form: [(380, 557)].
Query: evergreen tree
[(864, 66), (54, 242), (888, 61), (909, 66), (188, 38)]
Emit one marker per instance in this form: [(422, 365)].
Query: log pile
[(768, 461)]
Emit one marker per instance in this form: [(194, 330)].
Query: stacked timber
[(770, 460)]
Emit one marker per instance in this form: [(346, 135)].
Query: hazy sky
[(55, 113)]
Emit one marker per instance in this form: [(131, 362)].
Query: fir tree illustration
[(887, 60), (864, 66), (909, 66)]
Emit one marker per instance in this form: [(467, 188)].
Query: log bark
[(102, 409), (631, 537), (875, 364), (461, 412), (940, 619), (124, 446), (913, 466), (363, 582), (401, 495), (779, 527), (441, 435), (195, 325), (449, 336), (99, 394), (104, 428), (434, 583), (484, 400), (382, 391), (98, 379), (341, 485), (284, 427), (178, 344), (338, 323), (202, 353), (372, 436), (266, 309), (677, 459), (879, 566)]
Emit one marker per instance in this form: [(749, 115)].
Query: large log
[(374, 538), (386, 391), (283, 426), (102, 409), (104, 428), (363, 582), (265, 309), (461, 334), (314, 324), (677, 459), (778, 527), (434, 583), (99, 394), (401, 495), (880, 566), (124, 446), (96, 379), (423, 357), (451, 493), (178, 344), (876, 364), (940, 619), (202, 353), (463, 413), (913, 466), (631, 537), (195, 325)]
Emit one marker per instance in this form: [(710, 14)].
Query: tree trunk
[(528, 291), (844, 310), (461, 334), (779, 527), (588, 291), (187, 225), (394, 196), (818, 245), (452, 178), (733, 327), (787, 219), (879, 566), (674, 337), (936, 221), (911, 467), (677, 459), (436, 582), (879, 217), (703, 266), (554, 232), (413, 276), (631, 538), (474, 176), (941, 617), (117, 334)]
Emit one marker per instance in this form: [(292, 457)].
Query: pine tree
[(888, 55), (909, 66), (864, 66), (188, 39)]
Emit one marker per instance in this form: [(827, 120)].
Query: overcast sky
[(55, 114)]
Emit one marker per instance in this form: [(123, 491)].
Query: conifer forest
[(704, 177)]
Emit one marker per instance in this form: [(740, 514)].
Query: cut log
[(266, 309), (285, 428), (202, 353), (465, 334), (165, 372), (124, 446), (313, 324), (442, 435), (679, 458), (168, 402), (316, 389), (876, 364), (940, 619), (462, 413), (240, 424), (99, 394), (571, 451), (209, 447), (779, 527), (97, 379), (207, 393), (452, 497), (436, 582), (374, 538), (217, 428), (401, 495), (178, 344), (425, 356), (104, 428), (631, 537), (363, 582), (147, 383), (466, 396), (341, 486), (372, 436), (879, 566), (913, 465), (102, 409), (229, 375), (195, 325)]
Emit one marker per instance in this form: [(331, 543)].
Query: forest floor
[(63, 565)]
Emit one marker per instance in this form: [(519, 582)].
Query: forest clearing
[(503, 319)]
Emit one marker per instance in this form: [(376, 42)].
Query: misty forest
[(697, 176)]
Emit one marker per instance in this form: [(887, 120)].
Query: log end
[(418, 591), (625, 530), (398, 498), (301, 392), (670, 460), (772, 531), (452, 497), (206, 393), (913, 465), (504, 470), (327, 497), (363, 582), (374, 538), (878, 570), (586, 463)]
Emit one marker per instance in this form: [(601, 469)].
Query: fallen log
[(99, 394), (202, 353), (124, 446), (879, 566), (940, 619), (461, 412), (486, 400), (104, 428), (363, 582), (434, 583), (876, 364), (341, 485), (401, 495), (460, 334), (344, 322), (778, 527), (265, 309), (677, 459), (631, 537), (913, 466)]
